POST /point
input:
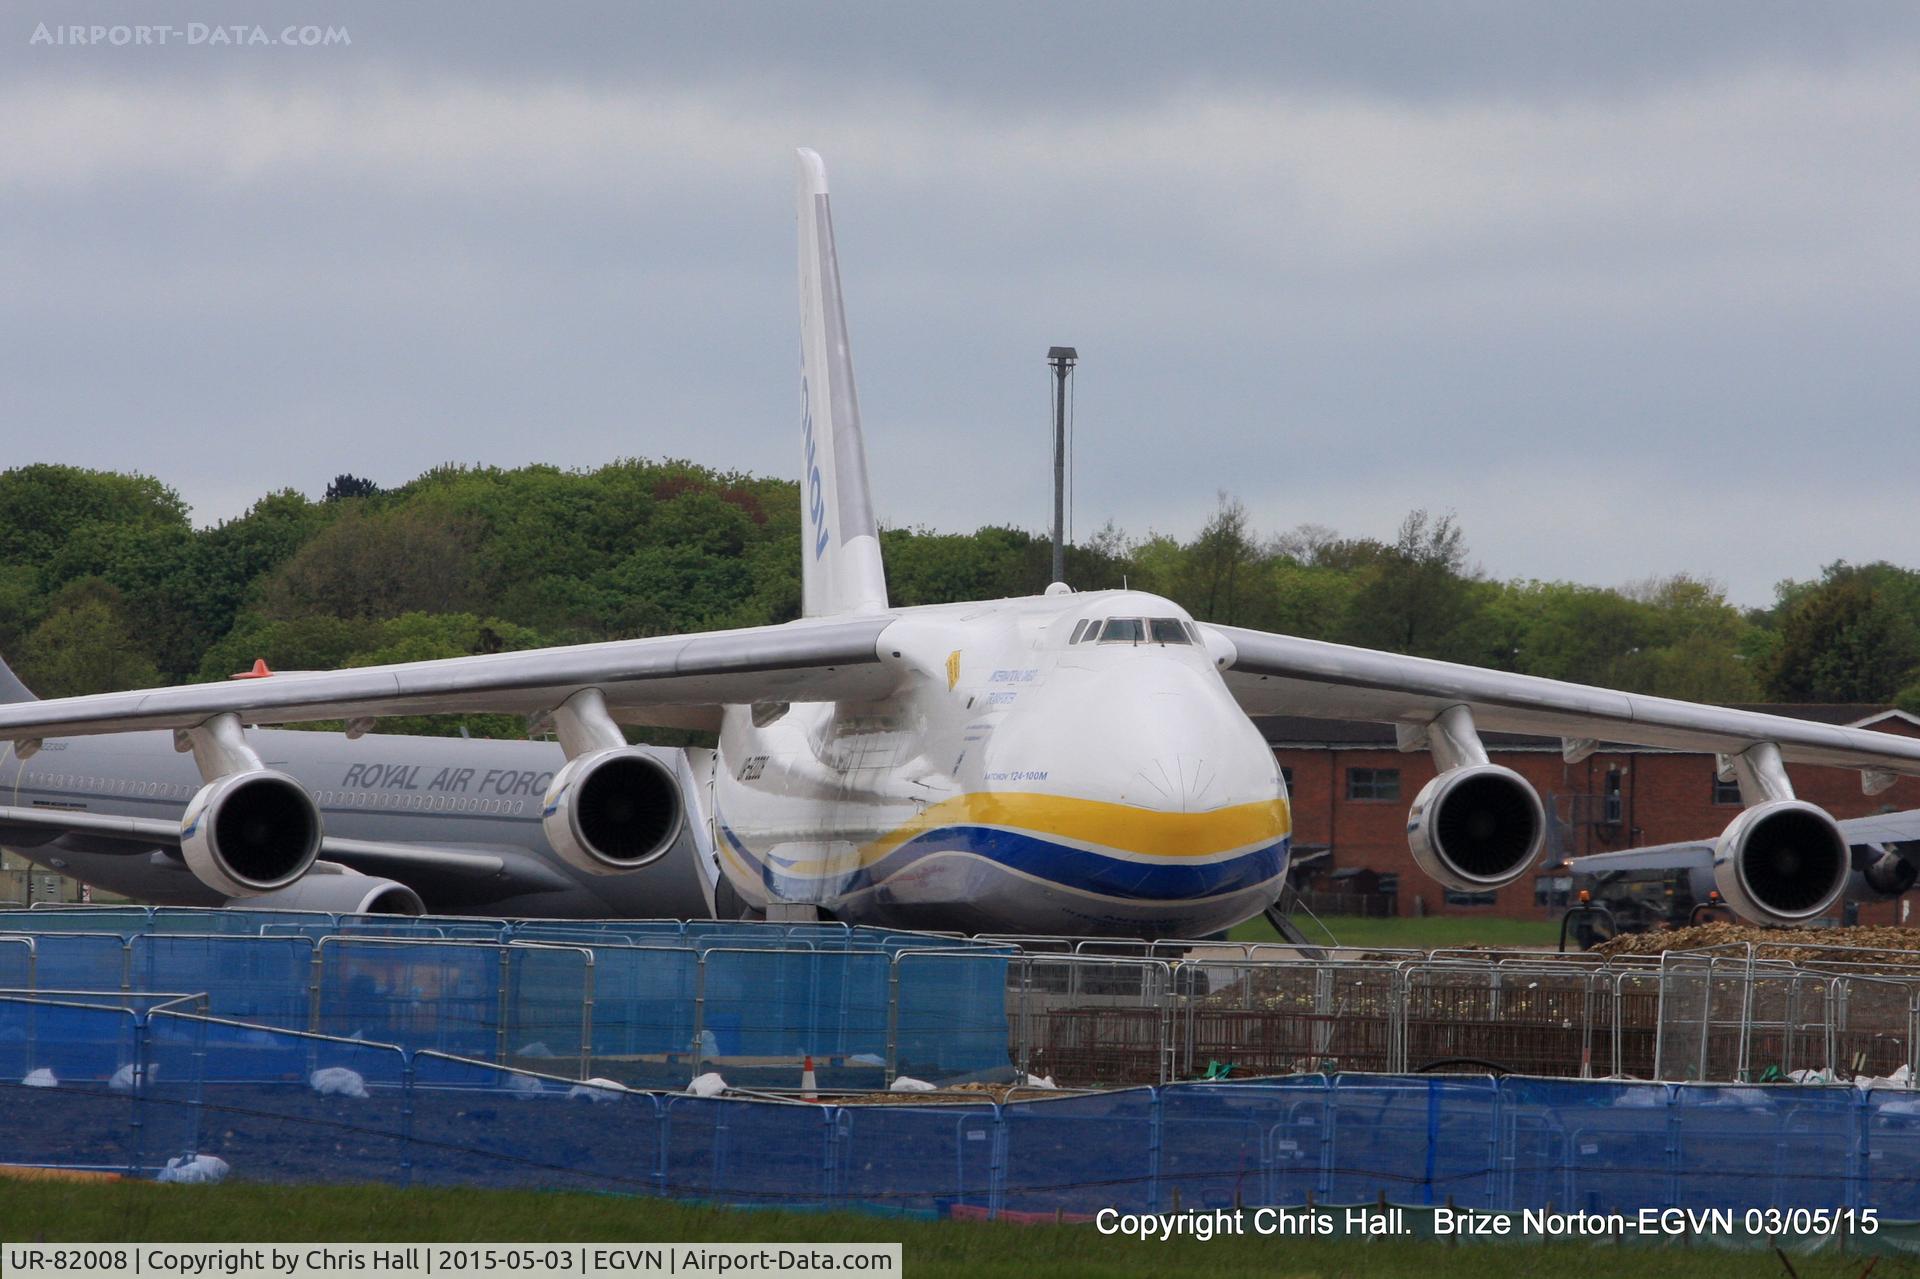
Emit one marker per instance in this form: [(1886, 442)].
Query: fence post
[(406, 1117), (500, 1022), (136, 1138), (699, 1017), (1673, 1146), (1327, 1089), (893, 1016), (314, 983), (586, 1016), (1859, 1163), (997, 1164), (1154, 1121), (1167, 1020)]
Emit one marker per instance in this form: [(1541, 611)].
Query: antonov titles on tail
[(1066, 763)]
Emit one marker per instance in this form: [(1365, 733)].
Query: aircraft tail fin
[(840, 553), (11, 689)]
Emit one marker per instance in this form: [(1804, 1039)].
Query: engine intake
[(250, 833), (1476, 827), (611, 811), (1781, 862)]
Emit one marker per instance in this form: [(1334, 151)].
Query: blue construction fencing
[(130, 1089), (646, 1003)]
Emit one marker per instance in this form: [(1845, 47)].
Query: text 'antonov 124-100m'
[(1068, 763)]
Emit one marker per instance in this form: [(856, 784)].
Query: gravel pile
[(1885, 944)]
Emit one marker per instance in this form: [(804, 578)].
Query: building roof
[(1306, 732)]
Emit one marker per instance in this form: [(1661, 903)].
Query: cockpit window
[(1167, 630), (1122, 630), (1078, 627)]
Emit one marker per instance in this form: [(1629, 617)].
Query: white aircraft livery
[(1069, 763)]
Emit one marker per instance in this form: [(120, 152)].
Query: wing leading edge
[(1283, 675), (679, 681)]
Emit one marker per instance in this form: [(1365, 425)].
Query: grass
[(1418, 934), (141, 1212)]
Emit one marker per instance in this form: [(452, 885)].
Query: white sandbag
[(707, 1085), (123, 1078), (196, 1170), (597, 1090), (524, 1086), (338, 1081), (866, 1059), (907, 1083), (537, 1048), (41, 1078), (1036, 1081)]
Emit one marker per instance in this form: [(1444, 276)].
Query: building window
[(1373, 783), (1553, 890), (1612, 811), (1286, 776), (1456, 898), (1725, 792)]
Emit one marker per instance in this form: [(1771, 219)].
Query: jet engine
[(613, 810), (1476, 827), (251, 832), (1878, 877), (345, 893), (1782, 862)]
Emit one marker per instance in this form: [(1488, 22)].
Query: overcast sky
[(1634, 292)]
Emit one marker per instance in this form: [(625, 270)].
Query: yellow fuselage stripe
[(1122, 827)]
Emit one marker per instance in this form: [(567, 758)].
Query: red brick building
[(1351, 789)]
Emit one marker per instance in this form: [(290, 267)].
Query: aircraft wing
[(100, 832), (678, 680), (1879, 830), (1283, 675), (1687, 856)]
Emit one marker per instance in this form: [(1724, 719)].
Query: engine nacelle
[(1781, 862), (615, 810), (1888, 875), (250, 833), (1477, 827), (345, 893)]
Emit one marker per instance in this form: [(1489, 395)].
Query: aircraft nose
[(1178, 783), (1193, 750)]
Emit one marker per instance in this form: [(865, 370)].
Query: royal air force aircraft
[(1068, 763)]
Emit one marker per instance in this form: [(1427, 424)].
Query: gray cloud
[(1633, 292)]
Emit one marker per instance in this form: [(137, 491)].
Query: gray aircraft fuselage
[(447, 792)]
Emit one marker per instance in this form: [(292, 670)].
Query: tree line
[(106, 583)]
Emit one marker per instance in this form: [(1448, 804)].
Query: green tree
[(83, 645), (1419, 594), (1844, 640)]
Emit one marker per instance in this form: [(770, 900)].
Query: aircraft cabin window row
[(1134, 630)]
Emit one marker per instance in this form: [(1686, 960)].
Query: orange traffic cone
[(808, 1089)]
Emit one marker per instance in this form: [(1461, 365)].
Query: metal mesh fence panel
[(1412, 1140), (644, 1015), (79, 961), (928, 1159), (952, 1017), (283, 1106), (1228, 1145), (68, 1077), (479, 1124), (441, 997), (747, 1152), (257, 979), (549, 1001), (1081, 1154)]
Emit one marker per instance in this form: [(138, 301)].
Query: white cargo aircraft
[(1065, 763)]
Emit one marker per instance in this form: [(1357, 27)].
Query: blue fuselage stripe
[(1169, 880)]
